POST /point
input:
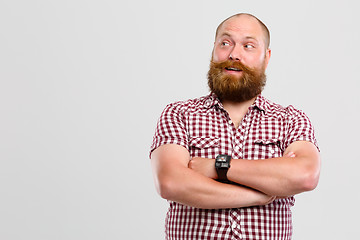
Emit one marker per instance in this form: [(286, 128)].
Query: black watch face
[(224, 165), (222, 161)]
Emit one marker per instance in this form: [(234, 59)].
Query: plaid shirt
[(204, 128)]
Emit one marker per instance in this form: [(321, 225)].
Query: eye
[(249, 46), (224, 43)]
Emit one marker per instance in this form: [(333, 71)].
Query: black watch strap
[(222, 174), (222, 165)]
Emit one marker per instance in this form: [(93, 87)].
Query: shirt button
[(230, 122), (208, 103), (272, 151)]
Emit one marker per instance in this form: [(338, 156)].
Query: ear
[(267, 56), (212, 53)]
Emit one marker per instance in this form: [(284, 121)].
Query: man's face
[(239, 59), (241, 38)]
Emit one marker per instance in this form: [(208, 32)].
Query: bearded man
[(231, 162)]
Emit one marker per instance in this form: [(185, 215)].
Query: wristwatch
[(222, 165)]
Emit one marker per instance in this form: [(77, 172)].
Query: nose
[(235, 54), (234, 58)]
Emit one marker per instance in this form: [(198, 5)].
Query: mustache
[(231, 64)]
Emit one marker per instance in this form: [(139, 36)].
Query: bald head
[(265, 30)]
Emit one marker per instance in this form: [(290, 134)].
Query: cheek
[(254, 61), (220, 55)]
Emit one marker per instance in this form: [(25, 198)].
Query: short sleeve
[(170, 128), (299, 128)]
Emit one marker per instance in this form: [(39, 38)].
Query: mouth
[(233, 69)]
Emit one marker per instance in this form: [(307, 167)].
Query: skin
[(192, 181)]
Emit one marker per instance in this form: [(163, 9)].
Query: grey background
[(82, 84)]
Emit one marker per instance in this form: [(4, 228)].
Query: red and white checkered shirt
[(204, 128)]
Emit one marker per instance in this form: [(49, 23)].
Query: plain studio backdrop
[(83, 83)]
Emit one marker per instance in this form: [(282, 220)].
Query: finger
[(290, 154), (190, 164)]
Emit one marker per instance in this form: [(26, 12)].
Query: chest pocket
[(267, 148), (206, 147)]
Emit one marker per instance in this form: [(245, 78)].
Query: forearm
[(175, 181), (274, 176), (298, 171), (198, 191), (271, 176), (282, 176)]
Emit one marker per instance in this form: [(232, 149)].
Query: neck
[(237, 110), (238, 105)]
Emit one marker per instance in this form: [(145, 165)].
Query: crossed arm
[(175, 181), (193, 181)]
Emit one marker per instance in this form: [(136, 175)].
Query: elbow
[(307, 175), (310, 184), (309, 180), (166, 189)]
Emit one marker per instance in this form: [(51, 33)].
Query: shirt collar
[(260, 102), (211, 100)]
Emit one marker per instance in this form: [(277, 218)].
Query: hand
[(204, 166), (262, 198), (265, 199), (269, 199)]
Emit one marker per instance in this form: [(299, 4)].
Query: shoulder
[(296, 125), (274, 109), (190, 105)]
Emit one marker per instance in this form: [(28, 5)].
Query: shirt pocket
[(204, 146), (267, 148)]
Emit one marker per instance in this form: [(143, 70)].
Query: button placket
[(238, 141), (241, 134), (234, 224), (228, 132)]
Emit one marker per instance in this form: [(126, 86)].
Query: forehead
[(242, 26)]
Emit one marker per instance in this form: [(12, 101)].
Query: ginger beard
[(235, 88)]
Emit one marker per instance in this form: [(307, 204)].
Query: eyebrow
[(252, 38), (225, 34), (247, 37)]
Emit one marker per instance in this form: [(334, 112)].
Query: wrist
[(222, 165)]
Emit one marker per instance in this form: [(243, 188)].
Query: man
[(230, 163)]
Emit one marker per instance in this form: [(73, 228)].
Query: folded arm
[(175, 181), (283, 176)]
